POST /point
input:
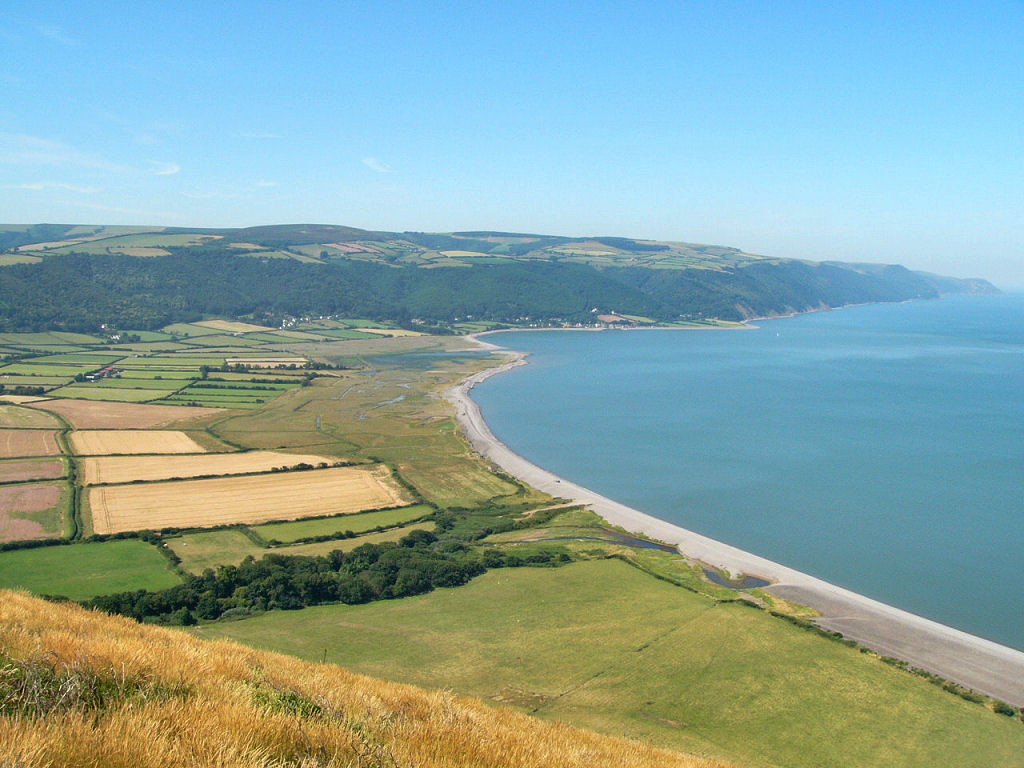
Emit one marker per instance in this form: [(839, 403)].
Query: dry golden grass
[(97, 414), (265, 362), (251, 499), (396, 332), (125, 469), (231, 326), (175, 700), (15, 443), (103, 442)]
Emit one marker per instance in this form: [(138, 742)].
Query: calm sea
[(878, 447)]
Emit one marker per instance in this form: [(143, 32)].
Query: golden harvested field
[(252, 499), (28, 442), (232, 327), (265, 362), (96, 414), (396, 332), (32, 469), (125, 469), (16, 416), (92, 442)]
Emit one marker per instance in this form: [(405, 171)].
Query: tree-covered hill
[(83, 277)]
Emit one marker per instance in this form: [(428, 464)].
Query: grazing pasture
[(249, 499), (91, 392), (210, 549), (31, 469), (605, 646), (15, 416), (126, 469), (107, 415), (81, 571), (16, 443), (32, 510), (104, 442)]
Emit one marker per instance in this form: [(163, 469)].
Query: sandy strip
[(987, 667)]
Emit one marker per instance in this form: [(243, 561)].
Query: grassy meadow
[(326, 526), (103, 691), (80, 571), (602, 645)]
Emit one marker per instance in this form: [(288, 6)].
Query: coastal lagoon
[(878, 447)]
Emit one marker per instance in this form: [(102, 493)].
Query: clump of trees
[(369, 572)]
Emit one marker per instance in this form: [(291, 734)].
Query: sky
[(886, 132)]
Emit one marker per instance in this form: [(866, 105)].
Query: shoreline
[(987, 667)]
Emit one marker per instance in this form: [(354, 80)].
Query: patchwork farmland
[(249, 499)]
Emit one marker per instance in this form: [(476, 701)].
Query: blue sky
[(862, 131)]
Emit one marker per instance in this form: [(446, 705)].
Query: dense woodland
[(79, 292)]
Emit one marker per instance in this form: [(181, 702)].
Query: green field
[(92, 392), (602, 645), (224, 340), (80, 571), (47, 338), (94, 359), (210, 549), (325, 526), (187, 329), (121, 382), (42, 369)]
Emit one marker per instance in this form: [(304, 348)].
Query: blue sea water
[(878, 447)]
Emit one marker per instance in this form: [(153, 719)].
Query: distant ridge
[(145, 277)]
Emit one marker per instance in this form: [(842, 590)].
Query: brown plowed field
[(33, 469), (35, 497), (125, 469), (97, 414), (102, 442), (254, 499), (28, 442)]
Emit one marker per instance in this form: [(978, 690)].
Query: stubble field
[(85, 414), (126, 469), (251, 499), (117, 441)]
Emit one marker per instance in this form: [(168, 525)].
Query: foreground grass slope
[(603, 645), (82, 689)]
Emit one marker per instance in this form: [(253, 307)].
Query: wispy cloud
[(260, 135), (164, 169), (58, 35), (42, 186), (376, 165), (266, 183), (203, 194), (22, 149)]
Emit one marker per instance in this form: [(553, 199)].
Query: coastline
[(983, 665)]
